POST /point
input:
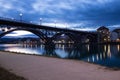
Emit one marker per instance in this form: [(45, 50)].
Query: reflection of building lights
[(118, 46), (93, 59), (97, 57), (88, 60), (59, 45), (109, 52), (101, 56), (88, 47), (105, 48), (41, 46), (63, 47)]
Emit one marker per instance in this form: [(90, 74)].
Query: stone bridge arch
[(34, 31), (88, 38), (70, 35)]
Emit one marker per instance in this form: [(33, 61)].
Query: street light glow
[(40, 21), (21, 16)]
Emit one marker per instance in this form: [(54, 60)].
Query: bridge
[(46, 33)]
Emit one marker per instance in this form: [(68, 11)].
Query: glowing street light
[(40, 21), (21, 16), (31, 21), (12, 18)]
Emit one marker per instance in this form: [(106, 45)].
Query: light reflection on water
[(107, 55)]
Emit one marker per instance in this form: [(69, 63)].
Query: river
[(105, 55)]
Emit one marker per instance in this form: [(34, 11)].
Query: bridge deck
[(35, 26)]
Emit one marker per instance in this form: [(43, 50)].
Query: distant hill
[(15, 40)]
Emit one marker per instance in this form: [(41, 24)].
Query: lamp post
[(40, 21), (31, 21), (12, 18), (55, 23), (21, 16), (66, 25)]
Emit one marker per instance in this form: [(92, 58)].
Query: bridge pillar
[(77, 39), (49, 43), (77, 42)]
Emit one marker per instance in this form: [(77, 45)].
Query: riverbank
[(47, 68), (6, 75)]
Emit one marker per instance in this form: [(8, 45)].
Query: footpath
[(47, 68)]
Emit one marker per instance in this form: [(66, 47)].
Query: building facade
[(103, 34), (115, 35)]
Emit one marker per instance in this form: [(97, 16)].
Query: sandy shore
[(46, 68)]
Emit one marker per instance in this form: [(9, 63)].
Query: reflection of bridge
[(46, 33)]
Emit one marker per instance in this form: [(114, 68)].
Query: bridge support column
[(49, 43), (77, 42)]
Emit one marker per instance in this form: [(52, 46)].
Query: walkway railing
[(16, 20), (28, 22)]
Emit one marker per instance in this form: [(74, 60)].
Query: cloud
[(97, 12), (85, 13), (51, 6)]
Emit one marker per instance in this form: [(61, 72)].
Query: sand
[(47, 68)]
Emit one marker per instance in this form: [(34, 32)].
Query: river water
[(105, 55)]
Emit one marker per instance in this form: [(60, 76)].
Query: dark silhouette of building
[(115, 35), (103, 34)]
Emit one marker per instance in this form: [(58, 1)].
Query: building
[(103, 34), (115, 35)]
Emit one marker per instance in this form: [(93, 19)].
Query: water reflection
[(107, 55), (49, 50)]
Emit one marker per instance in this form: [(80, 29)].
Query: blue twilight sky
[(77, 14)]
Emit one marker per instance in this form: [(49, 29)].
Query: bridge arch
[(34, 31), (88, 38), (71, 36)]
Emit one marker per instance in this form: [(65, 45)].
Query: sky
[(20, 34), (75, 14)]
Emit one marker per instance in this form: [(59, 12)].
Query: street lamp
[(12, 18), (40, 21), (31, 21), (21, 16)]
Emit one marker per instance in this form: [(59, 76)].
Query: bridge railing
[(28, 22), (16, 20)]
